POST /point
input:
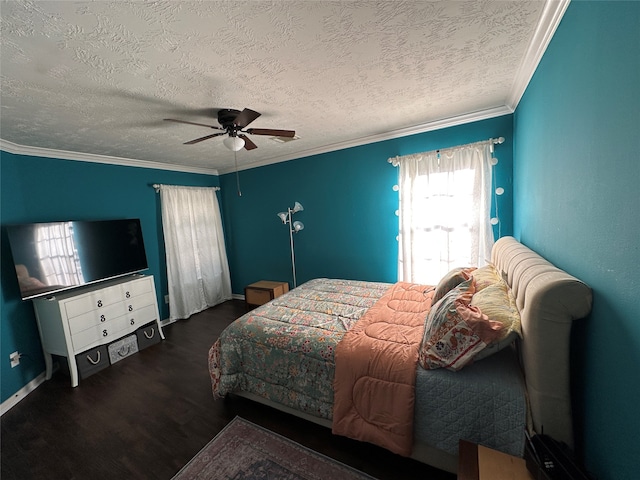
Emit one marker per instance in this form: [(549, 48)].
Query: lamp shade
[(297, 207), (297, 226), (233, 143), (283, 216)]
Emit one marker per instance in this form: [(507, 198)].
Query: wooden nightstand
[(476, 462), (263, 291)]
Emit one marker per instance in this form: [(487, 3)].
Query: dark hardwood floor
[(149, 414)]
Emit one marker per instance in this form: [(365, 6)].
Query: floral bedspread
[(284, 350)]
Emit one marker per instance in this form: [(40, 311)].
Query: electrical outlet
[(166, 299), (15, 359)]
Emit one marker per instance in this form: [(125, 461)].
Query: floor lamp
[(294, 227)]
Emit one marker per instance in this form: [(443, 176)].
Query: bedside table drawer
[(264, 291), (257, 297), (477, 462)]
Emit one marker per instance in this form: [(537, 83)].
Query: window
[(444, 212)]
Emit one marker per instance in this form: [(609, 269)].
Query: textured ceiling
[(97, 78)]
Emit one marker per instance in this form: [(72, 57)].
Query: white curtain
[(197, 266), (445, 207)]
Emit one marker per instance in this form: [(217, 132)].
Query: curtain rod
[(156, 187), (492, 142)]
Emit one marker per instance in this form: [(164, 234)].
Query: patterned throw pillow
[(486, 276), (451, 280), (455, 331), (498, 303)]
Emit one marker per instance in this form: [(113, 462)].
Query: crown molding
[(404, 132), (14, 148), (550, 18), (17, 149)]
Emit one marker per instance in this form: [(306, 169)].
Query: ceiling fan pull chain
[(235, 157)]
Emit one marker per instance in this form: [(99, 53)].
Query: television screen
[(50, 257)]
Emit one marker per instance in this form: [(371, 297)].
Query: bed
[(290, 354)]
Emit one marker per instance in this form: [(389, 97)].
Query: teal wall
[(350, 222), (577, 202), (35, 189), (576, 171)]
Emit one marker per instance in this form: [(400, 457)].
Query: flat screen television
[(56, 256)]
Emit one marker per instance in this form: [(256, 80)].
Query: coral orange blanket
[(374, 386)]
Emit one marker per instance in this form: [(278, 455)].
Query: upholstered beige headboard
[(549, 300)]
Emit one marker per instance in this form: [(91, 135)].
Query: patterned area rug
[(243, 450)]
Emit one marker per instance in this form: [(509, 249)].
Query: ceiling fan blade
[(248, 144), (245, 117), (272, 132), (197, 140), (192, 123)]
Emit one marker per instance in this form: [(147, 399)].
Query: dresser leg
[(73, 371), (48, 363)]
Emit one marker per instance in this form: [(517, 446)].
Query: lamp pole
[(293, 256), (294, 227)]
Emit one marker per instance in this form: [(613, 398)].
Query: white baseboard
[(167, 321), (36, 382), (22, 393)]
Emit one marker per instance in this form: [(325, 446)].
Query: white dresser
[(79, 324)]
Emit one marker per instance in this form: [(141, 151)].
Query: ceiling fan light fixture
[(232, 122), (233, 143)]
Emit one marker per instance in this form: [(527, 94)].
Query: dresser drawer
[(92, 361), (137, 287), (93, 301), (103, 298), (148, 335), (114, 328), (81, 324), (93, 336), (122, 348), (104, 315), (140, 316), (97, 317)]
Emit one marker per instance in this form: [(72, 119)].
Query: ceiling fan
[(233, 123)]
